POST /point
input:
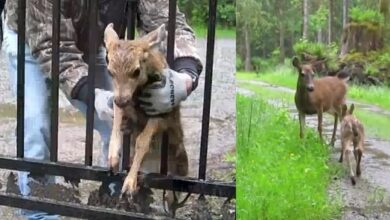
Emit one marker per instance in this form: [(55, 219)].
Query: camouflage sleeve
[(39, 38), (154, 13)]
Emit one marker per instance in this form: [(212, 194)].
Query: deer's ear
[(296, 63), (344, 110), (351, 109), (110, 36), (156, 37)]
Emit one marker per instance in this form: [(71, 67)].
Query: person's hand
[(104, 104), (162, 96)]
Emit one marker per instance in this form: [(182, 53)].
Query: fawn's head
[(133, 63), (306, 73), (345, 111)]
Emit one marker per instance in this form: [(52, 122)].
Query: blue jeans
[(37, 115)]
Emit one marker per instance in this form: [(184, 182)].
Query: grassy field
[(278, 175), (201, 32), (285, 76)]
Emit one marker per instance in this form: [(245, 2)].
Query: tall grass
[(278, 175)]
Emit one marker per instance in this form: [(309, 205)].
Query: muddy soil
[(370, 197), (72, 135)]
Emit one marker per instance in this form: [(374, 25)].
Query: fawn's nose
[(122, 102), (310, 88)]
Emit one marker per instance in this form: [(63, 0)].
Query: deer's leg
[(319, 128), (142, 145), (301, 124), (115, 147), (334, 130)]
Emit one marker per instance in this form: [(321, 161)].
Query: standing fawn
[(316, 96), (352, 132), (133, 65)]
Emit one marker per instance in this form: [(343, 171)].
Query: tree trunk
[(282, 31), (305, 19), (384, 7), (330, 22), (345, 12), (319, 35), (247, 50)]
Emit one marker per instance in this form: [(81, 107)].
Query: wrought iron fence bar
[(152, 180), (20, 78), (207, 89), (55, 72), (69, 209), (170, 59), (93, 4), (131, 9)]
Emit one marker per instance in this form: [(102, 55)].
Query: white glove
[(162, 96), (104, 104)]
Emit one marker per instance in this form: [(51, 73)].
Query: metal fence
[(88, 172)]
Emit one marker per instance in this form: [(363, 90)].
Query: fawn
[(352, 132), (133, 65), (316, 96)]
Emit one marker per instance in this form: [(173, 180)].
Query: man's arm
[(152, 15), (73, 70)]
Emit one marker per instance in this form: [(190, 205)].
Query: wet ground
[(72, 132), (370, 197)]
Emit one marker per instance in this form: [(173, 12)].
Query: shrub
[(361, 15)]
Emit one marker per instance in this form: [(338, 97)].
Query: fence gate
[(87, 172)]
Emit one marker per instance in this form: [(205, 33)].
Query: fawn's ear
[(296, 63), (344, 111), (110, 36), (351, 109), (156, 37)]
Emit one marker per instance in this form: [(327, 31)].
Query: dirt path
[(370, 197), (72, 127)]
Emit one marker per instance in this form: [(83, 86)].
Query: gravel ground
[(72, 129)]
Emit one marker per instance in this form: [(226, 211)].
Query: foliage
[(360, 15), (319, 19), (239, 63), (197, 12), (320, 50), (279, 176)]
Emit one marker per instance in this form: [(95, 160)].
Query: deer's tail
[(343, 75)]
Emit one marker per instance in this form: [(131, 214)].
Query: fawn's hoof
[(353, 181), (130, 186)]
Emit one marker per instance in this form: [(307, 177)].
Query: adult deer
[(316, 96)]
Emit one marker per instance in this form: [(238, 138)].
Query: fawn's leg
[(344, 145), (334, 130), (301, 124), (115, 147), (319, 128), (178, 165), (142, 145), (359, 157), (348, 155)]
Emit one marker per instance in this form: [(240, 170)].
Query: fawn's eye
[(136, 73)]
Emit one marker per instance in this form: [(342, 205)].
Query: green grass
[(269, 93), (285, 76), (201, 32), (374, 124), (280, 176)]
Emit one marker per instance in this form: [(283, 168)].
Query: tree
[(330, 22), (282, 31), (345, 12), (305, 19), (250, 17), (384, 7)]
